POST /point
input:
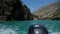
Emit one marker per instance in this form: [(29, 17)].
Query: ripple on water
[(55, 33), (22, 27), (7, 31), (4, 30)]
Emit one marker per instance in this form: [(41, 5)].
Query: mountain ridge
[(47, 11)]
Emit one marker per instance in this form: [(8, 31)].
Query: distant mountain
[(50, 11)]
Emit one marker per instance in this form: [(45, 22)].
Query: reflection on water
[(21, 27)]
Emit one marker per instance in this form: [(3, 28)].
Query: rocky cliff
[(13, 10), (50, 11)]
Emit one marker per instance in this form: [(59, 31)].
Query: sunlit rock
[(50, 11)]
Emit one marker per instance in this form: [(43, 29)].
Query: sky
[(33, 5)]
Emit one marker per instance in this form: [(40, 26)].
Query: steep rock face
[(12, 10), (49, 11), (27, 13), (17, 10)]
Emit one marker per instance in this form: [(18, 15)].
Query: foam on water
[(22, 27), (5, 30), (55, 33)]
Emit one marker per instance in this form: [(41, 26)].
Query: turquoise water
[(21, 27)]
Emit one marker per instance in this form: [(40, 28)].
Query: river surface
[(21, 27)]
